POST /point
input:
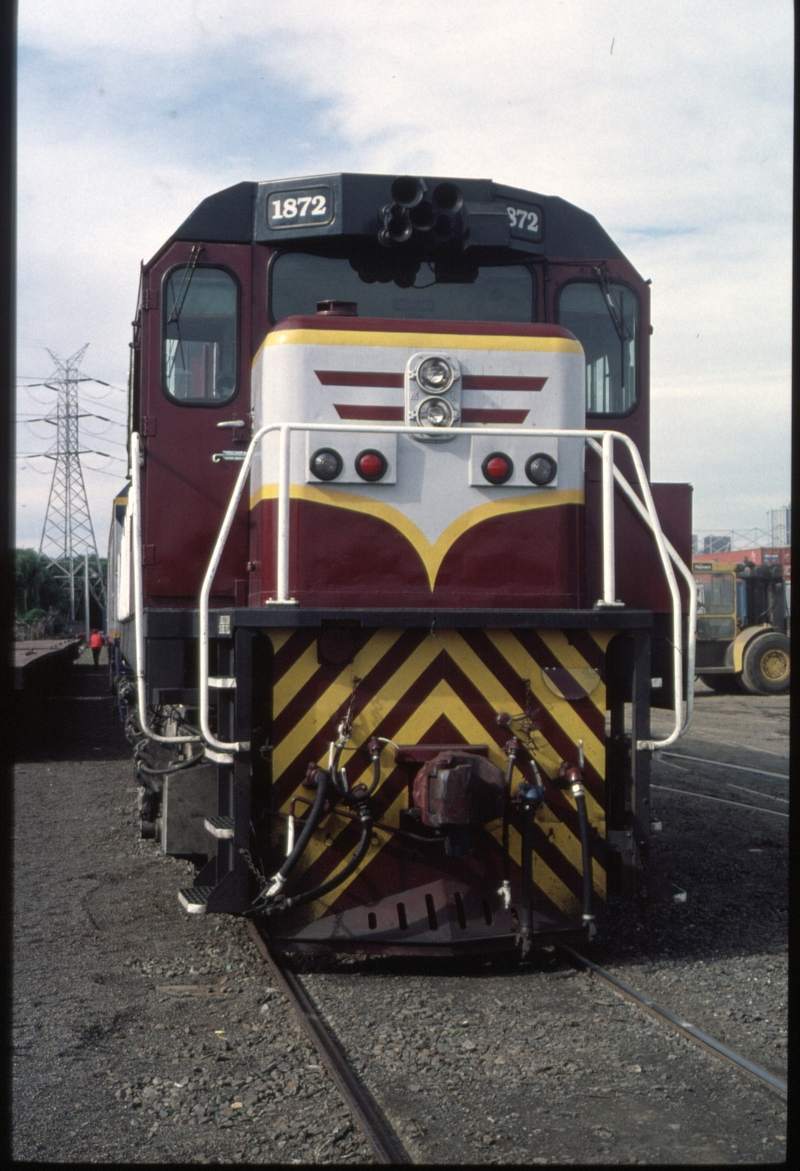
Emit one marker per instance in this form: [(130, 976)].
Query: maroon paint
[(375, 413), (397, 414), (185, 494), (468, 381), (346, 558), (640, 580), (498, 382), (492, 415), (409, 325), (358, 378)]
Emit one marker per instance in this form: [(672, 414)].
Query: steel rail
[(719, 800), (685, 1028), (372, 1123), (739, 768)]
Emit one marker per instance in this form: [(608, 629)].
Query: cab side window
[(200, 320), (605, 320)]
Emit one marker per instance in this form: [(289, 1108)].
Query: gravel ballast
[(145, 1035)]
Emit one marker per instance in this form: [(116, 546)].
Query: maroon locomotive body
[(391, 557)]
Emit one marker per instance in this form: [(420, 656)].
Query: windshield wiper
[(177, 307), (623, 333), (188, 273)]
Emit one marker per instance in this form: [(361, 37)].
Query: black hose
[(376, 774), (172, 768), (310, 824), (586, 853), (310, 895), (528, 815), (512, 756)]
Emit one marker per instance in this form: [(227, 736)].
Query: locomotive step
[(219, 827), (194, 899)]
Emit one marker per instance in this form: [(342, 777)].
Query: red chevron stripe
[(492, 415), (500, 382), (377, 413), (358, 378), (468, 381)]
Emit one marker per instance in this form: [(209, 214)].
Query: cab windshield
[(384, 283), (714, 593)]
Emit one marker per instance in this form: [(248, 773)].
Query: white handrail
[(138, 609), (675, 594), (609, 544), (684, 570), (282, 584)]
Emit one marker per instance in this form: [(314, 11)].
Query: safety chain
[(251, 866)]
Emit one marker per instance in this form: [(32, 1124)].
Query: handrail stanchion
[(138, 606), (609, 584), (684, 571), (205, 594), (284, 504), (675, 594)]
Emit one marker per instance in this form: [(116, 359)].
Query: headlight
[(435, 375), (434, 412)]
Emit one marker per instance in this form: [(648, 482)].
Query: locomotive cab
[(393, 566)]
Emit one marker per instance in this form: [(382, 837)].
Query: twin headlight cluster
[(433, 387), (433, 392)]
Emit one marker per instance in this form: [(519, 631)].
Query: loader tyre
[(766, 667)]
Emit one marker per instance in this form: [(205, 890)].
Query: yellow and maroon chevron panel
[(421, 686)]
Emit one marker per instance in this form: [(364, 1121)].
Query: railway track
[(673, 1021), (385, 1144)]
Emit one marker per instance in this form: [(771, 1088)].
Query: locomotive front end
[(390, 654)]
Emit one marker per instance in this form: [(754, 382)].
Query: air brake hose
[(309, 896), (531, 797), (572, 776), (375, 753), (322, 779), (172, 768), (583, 823), (512, 749)]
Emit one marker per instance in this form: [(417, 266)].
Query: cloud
[(670, 123)]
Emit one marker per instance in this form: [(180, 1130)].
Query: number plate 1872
[(301, 208)]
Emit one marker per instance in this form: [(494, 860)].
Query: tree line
[(41, 596)]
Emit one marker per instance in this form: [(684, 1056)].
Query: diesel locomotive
[(392, 594)]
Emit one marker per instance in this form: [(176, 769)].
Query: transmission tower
[(68, 536)]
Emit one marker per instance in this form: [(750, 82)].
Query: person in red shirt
[(96, 645)]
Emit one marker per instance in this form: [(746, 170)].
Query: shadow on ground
[(69, 715)]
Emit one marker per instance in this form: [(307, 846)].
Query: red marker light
[(371, 465), (497, 468)]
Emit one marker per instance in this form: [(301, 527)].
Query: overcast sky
[(670, 122)]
